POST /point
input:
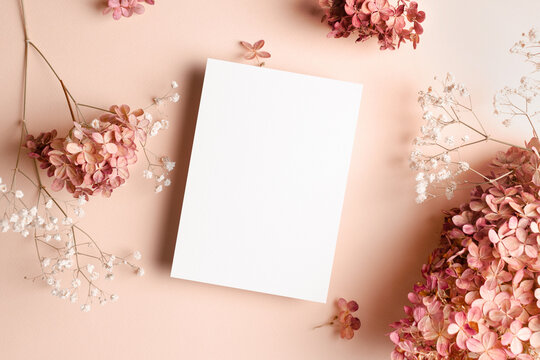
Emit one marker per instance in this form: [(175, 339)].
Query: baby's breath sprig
[(437, 154), (70, 260)]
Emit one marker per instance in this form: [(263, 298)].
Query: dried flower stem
[(20, 216)]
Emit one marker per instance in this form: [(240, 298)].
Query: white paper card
[(266, 180)]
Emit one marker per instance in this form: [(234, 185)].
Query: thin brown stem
[(25, 77), (68, 102), (95, 107), (89, 237)]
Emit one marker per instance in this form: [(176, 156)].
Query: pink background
[(384, 236)]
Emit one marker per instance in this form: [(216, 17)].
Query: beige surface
[(384, 236)]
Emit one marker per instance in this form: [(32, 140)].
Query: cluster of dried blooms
[(480, 297), (347, 322), (390, 24), (125, 8), (92, 158), (437, 156)]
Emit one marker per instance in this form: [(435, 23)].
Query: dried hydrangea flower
[(254, 51), (390, 24), (348, 323), (125, 8)]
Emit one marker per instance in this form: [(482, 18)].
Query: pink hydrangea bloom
[(480, 294), (125, 8), (391, 24), (91, 159)]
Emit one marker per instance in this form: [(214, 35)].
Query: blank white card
[(266, 180)]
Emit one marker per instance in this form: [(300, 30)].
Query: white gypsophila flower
[(79, 212), (160, 178), (33, 211), (102, 301), (14, 218), (421, 187), (94, 292), (464, 166), (3, 188), (94, 276), (147, 174), (73, 298), (90, 268), (49, 204), (443, 174), (168, 164), (19, 194), (140, 271), (158, 189), (76, 283), (109, 276), (167, 182), (164, 124), (95, 124), (5, 225), (57, 237), (148, 116), (174, 84), (446, 158), (175, 97), (158, 101), (421, 198), (45, 262), (137, 255), (67, 221), (114, 297), (85, 308), (64, 294), (155, 128), (452, 186), (47, 237)]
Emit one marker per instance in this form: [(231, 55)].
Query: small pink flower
[(486, 347), (353, 8), (534, 326), (125, 8), (514, 337), (348, 322), (416, 17), (254, 51), (478, 255), (379, 10), (465, 326), (436, 331)]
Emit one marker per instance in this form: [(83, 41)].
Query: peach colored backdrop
[(384, 236)]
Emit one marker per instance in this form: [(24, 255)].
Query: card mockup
[(266, 180)]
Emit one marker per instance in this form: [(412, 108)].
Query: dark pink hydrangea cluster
[(94, 157), (480, 296), (391, 24)]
